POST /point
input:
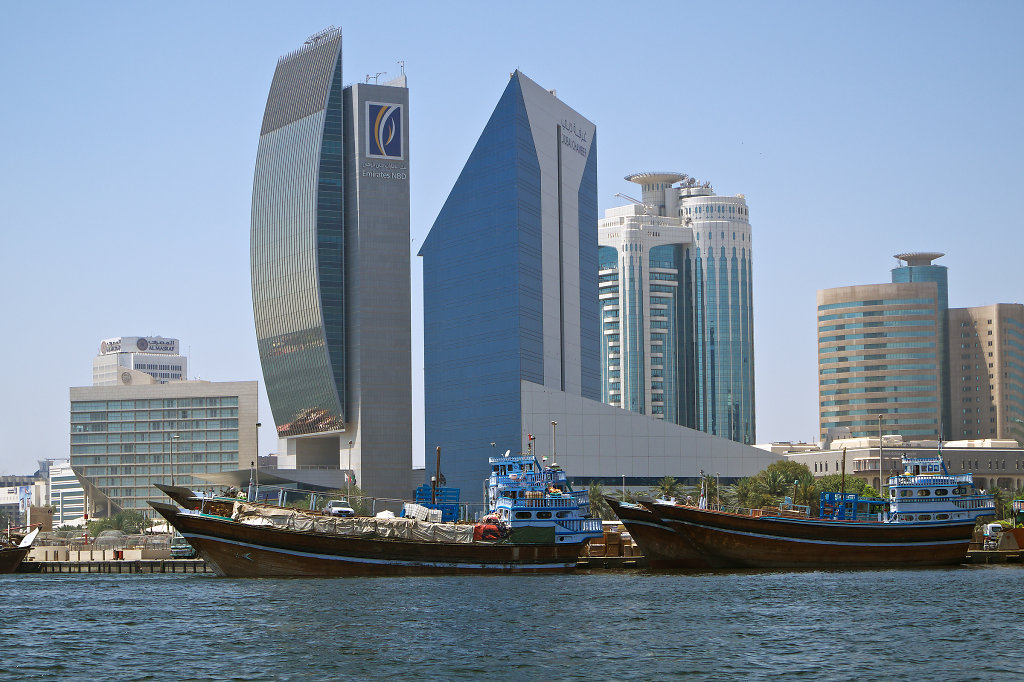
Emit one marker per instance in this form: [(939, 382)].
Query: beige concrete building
[(879, 353), (986, 366), (994, 463), (127, 437)]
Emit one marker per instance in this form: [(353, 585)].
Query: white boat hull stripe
[(368, 560)]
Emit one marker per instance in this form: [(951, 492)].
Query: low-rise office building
[(125, 438), (994, 463)]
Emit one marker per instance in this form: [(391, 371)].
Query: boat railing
[(528, 478), (563, 502), (580, 525), (933, 479), (975, 502)]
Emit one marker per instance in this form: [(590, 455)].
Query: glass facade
[(483, 297), (677, 313), (485, 287), (939, 275), (880, 356), (123, 447), (297, 241)]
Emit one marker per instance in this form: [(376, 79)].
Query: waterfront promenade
[(136, 566)]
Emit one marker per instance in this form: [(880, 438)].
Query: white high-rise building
[(676, 306), (67, 497), (156, 356)]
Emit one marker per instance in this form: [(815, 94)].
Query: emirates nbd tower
[(330, 272), (512, 326)]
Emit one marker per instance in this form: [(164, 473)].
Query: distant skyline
[(855, 132)]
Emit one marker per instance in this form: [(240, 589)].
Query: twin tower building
[(540, 320)]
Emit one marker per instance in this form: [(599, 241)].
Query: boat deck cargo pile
[(537, 523)]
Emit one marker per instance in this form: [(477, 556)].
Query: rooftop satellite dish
[(508, 452)]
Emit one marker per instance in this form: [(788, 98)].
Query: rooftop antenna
[(375, 77), (401, 64)]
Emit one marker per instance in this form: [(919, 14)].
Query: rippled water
[(960, 623)]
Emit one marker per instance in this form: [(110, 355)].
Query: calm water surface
[(960, 623)]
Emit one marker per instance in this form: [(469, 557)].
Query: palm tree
[(598, 507), (1002, 500), (127, 521), (667, 488), (807, 492), (774, 484)]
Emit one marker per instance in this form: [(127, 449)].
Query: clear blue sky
[(855, 130)]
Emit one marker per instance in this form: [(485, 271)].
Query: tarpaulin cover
[(358, 526)]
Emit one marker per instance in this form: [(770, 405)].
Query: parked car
[(180, 549), (338, 508)]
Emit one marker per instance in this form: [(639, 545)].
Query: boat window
[(523, 515), (892, 492), (906, 493), (562, 515), (941, 491), (924, 517), (543, 515), (942, 517), (906, 517), (924, 492)]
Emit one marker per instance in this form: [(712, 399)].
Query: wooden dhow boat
[(14, 547), (537, 524), (928, 520)]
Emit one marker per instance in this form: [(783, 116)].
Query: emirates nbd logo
[(384, 131)]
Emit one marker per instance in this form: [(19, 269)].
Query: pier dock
[(136, 566)]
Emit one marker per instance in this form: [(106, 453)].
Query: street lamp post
[(258, 425), (880, 482), (348, 474), (554, 457), (718, 489), (623, 487)]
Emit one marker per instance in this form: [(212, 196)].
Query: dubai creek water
[(944, 624)]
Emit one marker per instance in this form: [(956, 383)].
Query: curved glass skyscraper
[(297, 241), (330, 269)]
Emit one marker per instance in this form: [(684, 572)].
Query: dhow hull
[(676, 536), (238, 550)]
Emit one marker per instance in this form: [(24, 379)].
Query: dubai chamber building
[(330, 272), (511, 314)]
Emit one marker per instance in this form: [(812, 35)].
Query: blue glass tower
[(918, 267), (510, 281)]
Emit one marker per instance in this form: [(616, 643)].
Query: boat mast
[(842, 478), (435, 479)]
